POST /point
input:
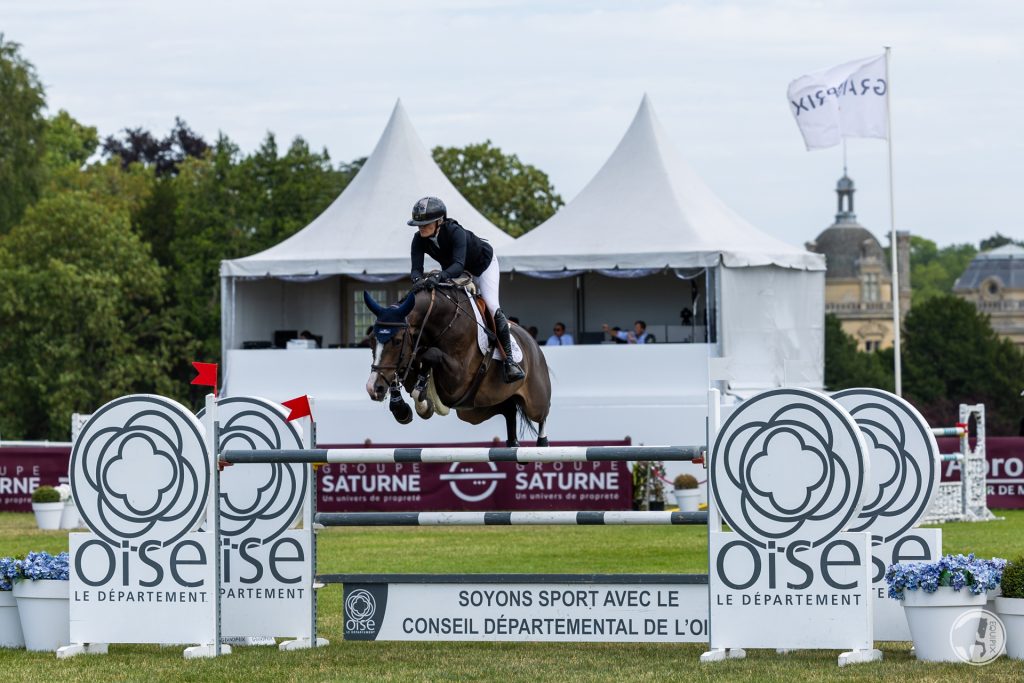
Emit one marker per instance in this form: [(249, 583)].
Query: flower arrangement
[(46, 494), (65, 492), (1013, 579), (956, 571), (44, 566), (10, 571), (683, 482)]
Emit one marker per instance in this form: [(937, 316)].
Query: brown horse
[(431, 336)]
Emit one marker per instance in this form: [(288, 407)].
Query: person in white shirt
[(560, 337), (637, 336)]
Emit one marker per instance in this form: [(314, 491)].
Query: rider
[(458, 250)]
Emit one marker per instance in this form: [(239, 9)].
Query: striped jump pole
[(449, 455), (959, 430), (509, 518), (952, 457)]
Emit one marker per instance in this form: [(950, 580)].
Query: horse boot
[(511, 370)]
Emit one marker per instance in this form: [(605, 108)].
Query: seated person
[(367, 341), (532, 329), (637, 336), (306, 334), (560, 337)]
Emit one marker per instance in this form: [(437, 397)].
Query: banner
[(847, 101), (1005, 458), (24, 467), (404, 487)]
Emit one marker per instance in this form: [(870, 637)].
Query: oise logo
[(904, 462), (140, 469), (259, 500), (789, 464)]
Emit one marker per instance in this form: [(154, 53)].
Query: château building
[(858, 280), (994, 283)]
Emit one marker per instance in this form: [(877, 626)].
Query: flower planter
[(44, 608), (69, 516), (688, 499), (931, 617), (48, 514), (1011, 611), (10, 622)]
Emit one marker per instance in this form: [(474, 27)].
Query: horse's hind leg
[(542, 437), (508, 409)]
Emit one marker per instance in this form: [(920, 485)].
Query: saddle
[(465, 283)]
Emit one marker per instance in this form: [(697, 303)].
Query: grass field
[(501, 549)]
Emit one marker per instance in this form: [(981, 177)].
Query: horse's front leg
[(509, 411)]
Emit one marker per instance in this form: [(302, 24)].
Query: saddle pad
[(481, 337)]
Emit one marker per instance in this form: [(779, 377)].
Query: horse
[(427, 344)]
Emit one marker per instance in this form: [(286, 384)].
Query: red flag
[(207, 376), (299, 407)]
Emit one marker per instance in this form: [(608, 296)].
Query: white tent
[(646, 208), (364, 230), (647, 211), (310, 280)]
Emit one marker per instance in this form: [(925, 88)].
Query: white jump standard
[(544, 454)]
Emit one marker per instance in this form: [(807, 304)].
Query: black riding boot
[(513, 373)]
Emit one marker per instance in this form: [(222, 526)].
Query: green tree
[(846, 367), (68, 143), (952, 356), (22, 128), (81, 307), (516, 197), (997, 240), (933, 271)]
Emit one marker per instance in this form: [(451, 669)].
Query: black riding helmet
[(428, 210)]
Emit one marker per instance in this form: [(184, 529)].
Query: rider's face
[(429, 229)]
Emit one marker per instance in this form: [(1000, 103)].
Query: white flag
[(847, 101)]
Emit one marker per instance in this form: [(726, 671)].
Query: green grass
[(501, 549)]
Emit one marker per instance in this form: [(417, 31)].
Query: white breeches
[(487, 285)]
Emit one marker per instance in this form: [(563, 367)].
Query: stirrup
[(512, 372)]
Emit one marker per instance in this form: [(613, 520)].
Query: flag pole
[(897, 366)]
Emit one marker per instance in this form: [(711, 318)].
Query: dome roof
[(845, 183), (1005, 263), (843, 246)]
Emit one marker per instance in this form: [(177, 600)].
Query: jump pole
[(545, 454), (543, 518)]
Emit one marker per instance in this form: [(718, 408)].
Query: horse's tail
[(525, 425)]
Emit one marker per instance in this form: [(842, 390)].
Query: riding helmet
[(428, 210)]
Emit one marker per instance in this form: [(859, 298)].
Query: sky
[(557, 83)]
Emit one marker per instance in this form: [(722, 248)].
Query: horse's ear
[(405, 308), (374, 307)]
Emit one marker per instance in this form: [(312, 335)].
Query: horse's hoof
[(512, 444), (542, 442), (424, 409)]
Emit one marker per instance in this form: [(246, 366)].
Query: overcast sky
[(557, 83)]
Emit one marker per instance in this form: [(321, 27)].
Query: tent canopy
[(364, 230), (646, 208)]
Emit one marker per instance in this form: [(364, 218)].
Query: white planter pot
[(1011, 611), (10, 622), (48, 514), (688, 499), (931, 617), (69, 517), (44, 608)]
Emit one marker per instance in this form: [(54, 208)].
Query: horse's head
[(392, 347)]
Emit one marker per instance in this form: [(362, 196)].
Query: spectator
[(367, 341), (532, 329), (560, 337), (306, 334), (637, 336)]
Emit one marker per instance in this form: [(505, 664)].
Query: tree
[(22, 128), (933, 271), (138, 145), (81, 306), (68, 142), (516, 197), (845, 366), (997, 240), (952, 356)]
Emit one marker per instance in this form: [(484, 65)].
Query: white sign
[(140, 474), (788, 473), (266, 570), (905, 463), (516, 610)]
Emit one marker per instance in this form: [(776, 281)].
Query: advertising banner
[(25, 467), (1005, 458), (521, 607), (404, 487)]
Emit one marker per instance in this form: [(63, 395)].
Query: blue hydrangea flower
[(955, 571)]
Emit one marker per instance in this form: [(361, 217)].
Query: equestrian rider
[(459, 250)]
